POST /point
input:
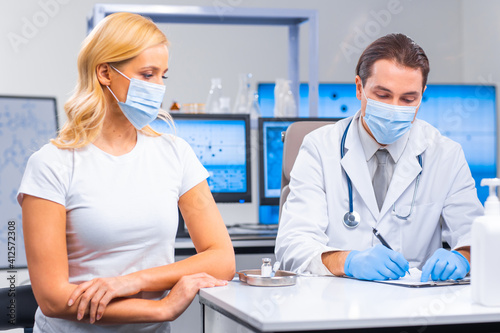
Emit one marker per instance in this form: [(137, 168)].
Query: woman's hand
[(184, 291), (97, 293)]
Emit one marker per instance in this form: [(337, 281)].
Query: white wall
[(461, 38)]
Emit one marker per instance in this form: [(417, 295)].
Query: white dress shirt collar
[(370, 146)]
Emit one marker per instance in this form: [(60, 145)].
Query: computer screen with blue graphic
[(270, 163), (26, 124), (464, 113), (271, 155), (222, 144)]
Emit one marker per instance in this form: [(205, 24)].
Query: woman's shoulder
[(50, 152)]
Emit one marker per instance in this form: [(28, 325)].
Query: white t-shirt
[(121, 211)]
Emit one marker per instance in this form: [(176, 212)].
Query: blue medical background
[(220, 145), (464, 113), (26, 124), (336, 100)]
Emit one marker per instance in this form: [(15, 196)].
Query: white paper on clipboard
[(413, 281)]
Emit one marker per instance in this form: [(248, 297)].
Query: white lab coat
[(311, 223)]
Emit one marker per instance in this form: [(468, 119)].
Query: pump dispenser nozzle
[(492, 204)]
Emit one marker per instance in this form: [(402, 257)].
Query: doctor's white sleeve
[(302, 230), (461, 205)]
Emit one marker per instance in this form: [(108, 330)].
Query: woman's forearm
[(126, 310), (122, 310), (166, 309), (218, 262), (132, 310)]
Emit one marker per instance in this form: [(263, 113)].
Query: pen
[(383, 241)]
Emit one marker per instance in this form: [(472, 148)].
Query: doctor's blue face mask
[(143, 101), (388, 122)]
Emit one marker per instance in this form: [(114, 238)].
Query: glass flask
[(213, 104)]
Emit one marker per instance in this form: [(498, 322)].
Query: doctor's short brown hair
[(397, 47)]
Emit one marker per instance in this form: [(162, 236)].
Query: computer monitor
[(463, 112), (26, 124), (337, 100), (222, 144), (466, 114), (271, 155)]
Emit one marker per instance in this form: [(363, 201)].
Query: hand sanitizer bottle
[(485, 250)]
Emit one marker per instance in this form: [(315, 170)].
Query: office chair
[(24, 308), (292, 140)]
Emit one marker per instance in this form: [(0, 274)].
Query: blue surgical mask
[(388, 122), (143, 101)]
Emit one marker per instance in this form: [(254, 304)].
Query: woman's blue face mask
[(388, 122), (143, 101)]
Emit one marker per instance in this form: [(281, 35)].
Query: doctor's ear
[(103, 74), (359, 87)]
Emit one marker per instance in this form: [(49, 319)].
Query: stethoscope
[(352, 218)]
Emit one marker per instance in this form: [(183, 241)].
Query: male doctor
[(407, 181)]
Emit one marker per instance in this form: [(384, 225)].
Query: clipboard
[(413, 281)]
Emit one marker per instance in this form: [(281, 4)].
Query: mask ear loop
[(111, 91), (364, 94), (125, 76), (420, 102)]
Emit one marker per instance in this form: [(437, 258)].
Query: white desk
[(249, 252), (331, 303)]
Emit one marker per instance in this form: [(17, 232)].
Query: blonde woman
[(100, 201)]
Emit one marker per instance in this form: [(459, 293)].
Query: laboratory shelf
[(230, 15)]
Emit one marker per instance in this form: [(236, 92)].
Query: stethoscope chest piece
[(351, 219)]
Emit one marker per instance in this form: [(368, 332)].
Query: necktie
[(381, 178)]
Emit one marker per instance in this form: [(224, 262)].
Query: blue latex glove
[(376, 263), (445, 265)]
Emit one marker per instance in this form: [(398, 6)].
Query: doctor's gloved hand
[(376, 263), (445, 265)]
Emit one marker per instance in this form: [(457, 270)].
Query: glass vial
[(266, 269)]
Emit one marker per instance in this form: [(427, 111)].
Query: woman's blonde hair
[(117, 39)]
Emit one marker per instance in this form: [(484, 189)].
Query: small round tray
[(281, 278)]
